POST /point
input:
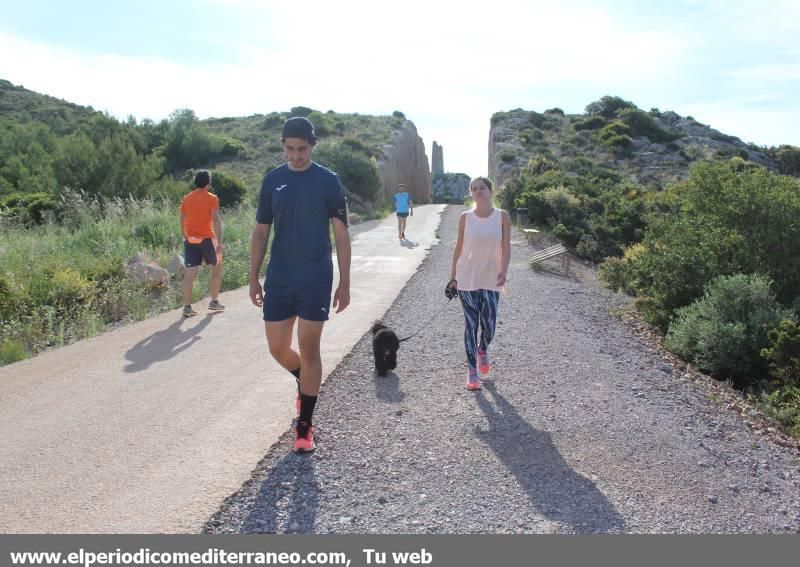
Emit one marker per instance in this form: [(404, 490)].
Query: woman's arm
[(505, 249), (459, 245)]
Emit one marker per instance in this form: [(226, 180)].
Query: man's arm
[(217, 222), (341, 299), (183, 230), (259, 240)]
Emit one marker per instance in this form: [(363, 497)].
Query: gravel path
[(583, 427)]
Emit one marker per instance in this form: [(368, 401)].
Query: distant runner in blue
[(300, 200), (403, 207)]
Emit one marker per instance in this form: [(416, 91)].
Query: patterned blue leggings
[(480, 309)]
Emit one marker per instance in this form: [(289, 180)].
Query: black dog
[(385, 345)]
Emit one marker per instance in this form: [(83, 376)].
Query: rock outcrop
[(450, 187), (404, 161), (437, 159), (145, 271), (518, 135)]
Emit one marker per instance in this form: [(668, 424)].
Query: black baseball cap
[(299, 127)]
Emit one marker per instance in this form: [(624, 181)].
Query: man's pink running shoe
[(483, 362), (304, 443), (473, 382)]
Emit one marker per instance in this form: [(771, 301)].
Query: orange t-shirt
[(197, 208)]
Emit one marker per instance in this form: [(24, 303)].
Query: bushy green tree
[(608, 106), (357, 171), (725, 219), (725, 331), (300, 111), (591, 203), (189, 143), (228, 188), (788, 158)]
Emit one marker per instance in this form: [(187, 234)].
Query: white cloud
[(446, 65), (749, 120)]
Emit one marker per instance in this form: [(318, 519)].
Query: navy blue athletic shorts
[(311, 302), (402, 215), (195, 254)]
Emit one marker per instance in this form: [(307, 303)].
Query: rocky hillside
[(650, 148), (245, 147), (392, 143)]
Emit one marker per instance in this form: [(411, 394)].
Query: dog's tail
[(377, 326)]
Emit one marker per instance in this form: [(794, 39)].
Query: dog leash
[(428, 321)]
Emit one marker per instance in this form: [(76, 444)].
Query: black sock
[(307, 404), (296, 374)]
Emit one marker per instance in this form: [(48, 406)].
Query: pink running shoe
[(483, 362), (304, 443), (473, 382)]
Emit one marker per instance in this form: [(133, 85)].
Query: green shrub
[(153, 233), (507, 156), (725, 331), (614, 129), (723, 220), (642, 124), (12, 351), (190, 143), (591, 123), (783, 352), (231, 147), (228, 188), (612, 273), (563, 233), (554, 110), (357, 172), (782, 403), (618, 142), (273, 120), (398, 114), (530, 136), (587, 247), (323, 124), (9, 299), (29, 208)]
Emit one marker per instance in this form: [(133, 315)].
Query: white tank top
[(479, 263)]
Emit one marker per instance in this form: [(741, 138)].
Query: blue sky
[(448, 67)]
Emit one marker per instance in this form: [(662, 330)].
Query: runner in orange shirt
[(202, 240)]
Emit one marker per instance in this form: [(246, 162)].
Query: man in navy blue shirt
[(297, 202)]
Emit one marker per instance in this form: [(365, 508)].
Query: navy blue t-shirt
[(299, 206)]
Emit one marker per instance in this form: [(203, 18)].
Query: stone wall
[(404, 161)]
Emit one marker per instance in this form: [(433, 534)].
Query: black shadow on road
[(408, 243), (287, 500), (387, 388), (555, 489), (163, 345)]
